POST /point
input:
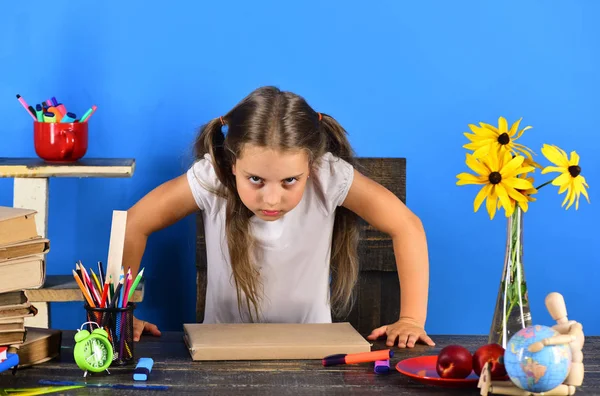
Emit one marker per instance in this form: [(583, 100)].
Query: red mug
[(60, 142)]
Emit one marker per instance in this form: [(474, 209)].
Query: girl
[(280, 197)]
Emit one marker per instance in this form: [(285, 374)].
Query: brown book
[(271, 341), (40, 345), (18, 311), (12, 337), (22, 273), (13, 324), (26, 248), (17, 225), (13, 298)]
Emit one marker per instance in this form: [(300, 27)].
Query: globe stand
[(486, 386), (570, 332)]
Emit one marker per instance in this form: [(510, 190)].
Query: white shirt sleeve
[(333, 177), (203, 180)]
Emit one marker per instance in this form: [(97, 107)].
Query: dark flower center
[(504, 138), (574, 170), (495, 177)]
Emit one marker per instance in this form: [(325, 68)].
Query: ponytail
[(344, 256), (337, 141), (211, 141)]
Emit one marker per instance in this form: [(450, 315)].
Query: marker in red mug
[(88, 114), (26, 106), (362, 357), (69, 117), (61, 108)]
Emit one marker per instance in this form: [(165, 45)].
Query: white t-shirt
[(294, 250)]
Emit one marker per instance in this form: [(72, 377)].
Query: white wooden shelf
[(31, 182)]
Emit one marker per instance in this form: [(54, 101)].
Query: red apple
[(454, 361), (492, 353)]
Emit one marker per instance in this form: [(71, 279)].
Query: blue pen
[(69, 117), (54, 102)]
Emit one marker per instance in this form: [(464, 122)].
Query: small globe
[(536, 371)]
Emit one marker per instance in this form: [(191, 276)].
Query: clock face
[(95, 353)]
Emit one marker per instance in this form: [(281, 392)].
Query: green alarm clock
[(93, 351)]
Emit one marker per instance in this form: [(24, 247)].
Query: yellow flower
[(570, 178), (498, 174), (528, 194), (530, 191), (524, 205), (486, 138), (528, 161)]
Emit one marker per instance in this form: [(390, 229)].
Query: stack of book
[(22, 267)]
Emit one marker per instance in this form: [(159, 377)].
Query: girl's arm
[(161, 207), (383, 210)]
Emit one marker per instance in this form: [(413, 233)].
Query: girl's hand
[(406, 331), (141, 326)]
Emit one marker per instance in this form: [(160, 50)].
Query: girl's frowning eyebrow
[(247, 174)]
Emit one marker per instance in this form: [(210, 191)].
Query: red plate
[(422, 369)]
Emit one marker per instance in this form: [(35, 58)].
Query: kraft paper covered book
[(271, 341)]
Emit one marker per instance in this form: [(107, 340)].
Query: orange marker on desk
[(353, 358)]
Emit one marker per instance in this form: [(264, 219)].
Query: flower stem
[(544, 184), (510, 308)]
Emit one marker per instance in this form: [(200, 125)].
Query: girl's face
[(269, 182)]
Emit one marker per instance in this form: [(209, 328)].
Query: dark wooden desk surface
[(173, 367)]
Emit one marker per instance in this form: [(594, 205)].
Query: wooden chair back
[(378, 289)]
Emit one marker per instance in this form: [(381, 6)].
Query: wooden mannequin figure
[(571, 332)]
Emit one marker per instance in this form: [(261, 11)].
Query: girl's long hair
[(281, 120)]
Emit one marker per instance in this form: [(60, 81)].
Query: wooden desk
[(173, 367)]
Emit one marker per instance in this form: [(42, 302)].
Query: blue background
[(404, 78)]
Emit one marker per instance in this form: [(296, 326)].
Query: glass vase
[(512, 312)]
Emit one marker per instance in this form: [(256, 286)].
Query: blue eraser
[(143, 369)]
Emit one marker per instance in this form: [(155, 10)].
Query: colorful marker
[(61, 108), (88, 114), (26, 106), (69, 117), (49, 117), (358, 357), (39, 113), (57, 114), (382, 366), (143, 369), (54, 102)]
